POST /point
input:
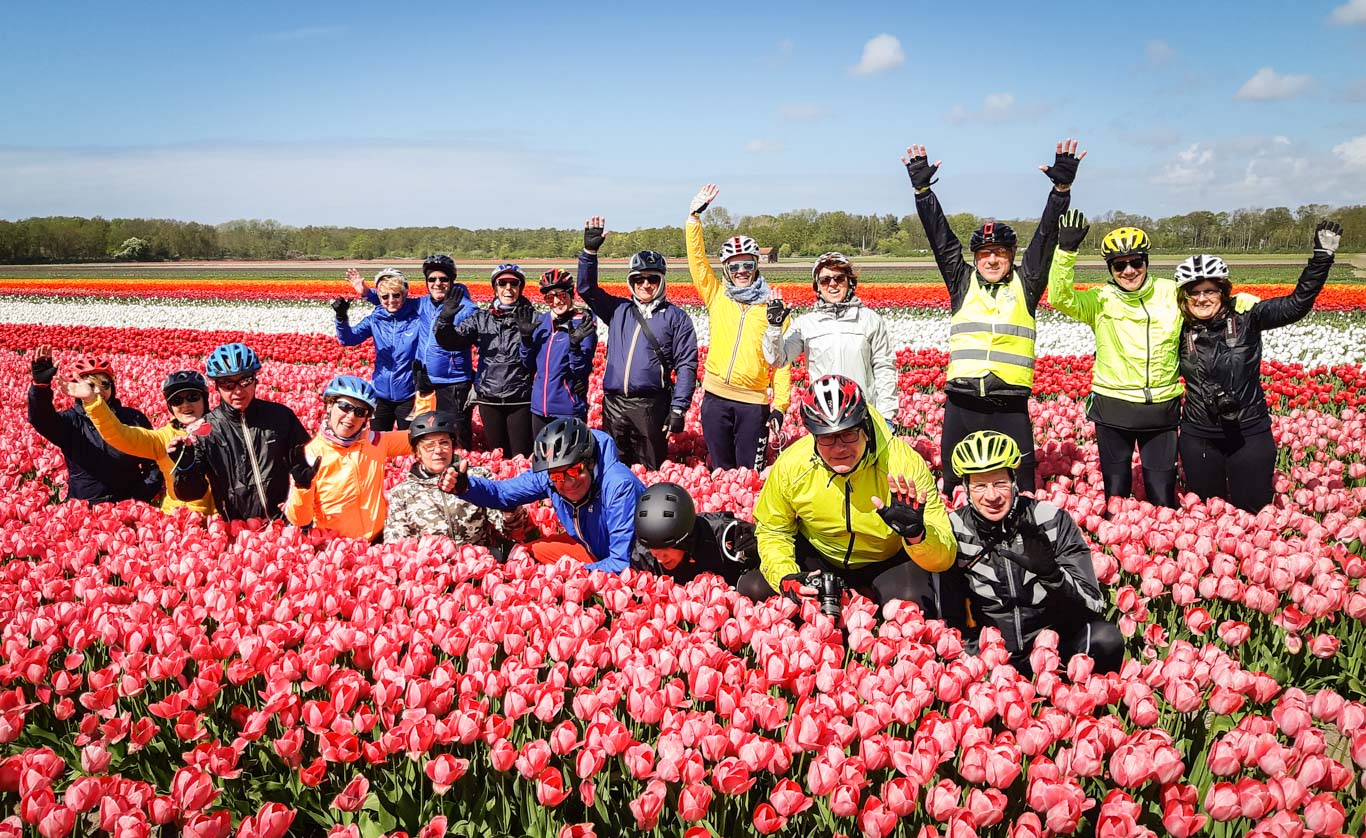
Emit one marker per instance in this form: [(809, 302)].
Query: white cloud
[(1159, 52), (1191, 168), (997, 107), (880, 54), (1352, 153), (803, 112), (1268, 85), (762, 146), (305, 33), (1351, 13)]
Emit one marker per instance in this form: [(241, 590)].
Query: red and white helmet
[(739, 246)]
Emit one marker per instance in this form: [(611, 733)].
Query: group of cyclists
[(850, 505)]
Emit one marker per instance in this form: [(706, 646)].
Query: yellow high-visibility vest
[(993, 334)]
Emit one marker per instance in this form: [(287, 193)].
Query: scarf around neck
[(755, 292)]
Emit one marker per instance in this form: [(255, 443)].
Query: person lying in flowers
[(418, 507), (339, 484), (1022, 567), (672, 539), (594, 495), (187, 399), (97, 472), (822, 509)]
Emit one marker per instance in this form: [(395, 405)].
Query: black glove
[(775, 423), (777, 312), (1327, 237), (456, 479), (677, 421), (1064, 169), (593, 237), (526, 322), (421, 380), (182, 453), (1037, 559), (921, 172), (341, 305), (43, 371), (906, 519), (1072, 230), (579, 334), (792, 584), (300, 470)]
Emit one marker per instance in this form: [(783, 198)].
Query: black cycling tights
[(1239, 470), (961, 420), (1157, 453), (507, 426)]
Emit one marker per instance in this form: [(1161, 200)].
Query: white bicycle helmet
[(1200, 267), (739, 246)]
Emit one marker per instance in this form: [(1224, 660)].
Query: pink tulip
[(767, 820), (694, 801)]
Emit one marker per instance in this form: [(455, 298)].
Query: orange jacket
[(347, 493)]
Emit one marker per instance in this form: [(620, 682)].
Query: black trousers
[(1157, 453), (965, 416), (734, 431), (507, 426), (389, 412), (897, 578), (538, 423), (636, 424), (1237, 468), (452, 399)]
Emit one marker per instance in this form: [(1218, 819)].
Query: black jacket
[(720, 544), (503, 377), (95, 471), (959, 272), (223, 461), (998, 592), (1224, 354)]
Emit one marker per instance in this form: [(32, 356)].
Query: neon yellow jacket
[(149, 444), (736, 368), (835, 511)]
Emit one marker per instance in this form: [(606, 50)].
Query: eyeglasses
[(573, 472), (230, 384), (848, 437), (737, 267), (394, 296), (192, 397), (999, 487), (832, 281), (644, 279), (1208, 292), (508, 283), (435, 442), (348, 407), (1119, 266)]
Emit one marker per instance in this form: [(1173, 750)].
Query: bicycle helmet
[(1124, 241), (504, 270), (92, 365), (829, 260), (647, 261), (352, 387), (438, 262), (739, 246), (564, 442), (1200, 267), (231, 359), (992, 232), (983, 451), (834, 404), (665, 516), (392, 273), (431, 422), (557, 280), (184, 380)]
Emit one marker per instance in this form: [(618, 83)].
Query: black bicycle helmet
[(992, 232), (647, 261), (834, 404), (431, 422), (439, 262), (665, 516), (564, 442), (184, 380)]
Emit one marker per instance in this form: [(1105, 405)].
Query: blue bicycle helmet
[(231, 359), (184, 380), (505, 269), (353, 388)]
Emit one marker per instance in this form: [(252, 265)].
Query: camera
[(829, 590), (1226, 405)]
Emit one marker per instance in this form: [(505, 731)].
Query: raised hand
[(1327, 237), (904, 510), (1072, 230), (703, 199), (357, 281), (777, 310), (526, 322), (81, 390), (456, 479), (919, 168), (1065, 163), (579, 334), (42, 367), (303, 467), (594, 233), (340, 307)]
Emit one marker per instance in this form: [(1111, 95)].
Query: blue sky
[(540, 114)]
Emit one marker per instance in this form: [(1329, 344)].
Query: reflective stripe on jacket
[(993, 333)]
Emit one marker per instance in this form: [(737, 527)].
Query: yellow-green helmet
[(1125, 241), (983, 451)]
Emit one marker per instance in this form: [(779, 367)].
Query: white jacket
[(845, 339)]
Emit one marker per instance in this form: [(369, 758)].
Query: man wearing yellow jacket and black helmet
[(735, 408), (822, 507)]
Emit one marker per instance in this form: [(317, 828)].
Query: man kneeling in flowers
[(594, 495), (1022, 565), (822, 510)]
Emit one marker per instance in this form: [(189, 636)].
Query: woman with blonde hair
[(396, 327)]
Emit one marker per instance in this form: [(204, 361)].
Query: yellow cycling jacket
[(149, 444), (835, 511), (736, 368)]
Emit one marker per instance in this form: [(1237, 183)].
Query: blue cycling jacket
[(396, 337), (443, 366), (561, 384)]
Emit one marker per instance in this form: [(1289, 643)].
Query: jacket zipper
[(1015, 608), (1148, 354), (255, 468), (578, 534), (848, 525), (630, 353), (739, 332), (545, 387)]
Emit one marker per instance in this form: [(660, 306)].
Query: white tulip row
[(1322, 338)]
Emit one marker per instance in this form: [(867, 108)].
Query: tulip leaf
[(382, 823)]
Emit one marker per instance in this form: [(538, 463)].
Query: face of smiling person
[(438, 285), (347, 416), (833, 285), (186, 406), (559, 302), (508, 289), (842, 450), (645, 286), (1204, 300), (236, 390), (742, 269), (572, 482), (991, 493), (994, 261), (1129, 272), (435, 452)]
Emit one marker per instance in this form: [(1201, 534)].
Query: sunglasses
[(737, 267), (556, 295), (394, 296), (1119, 266), (573, 472), (848, 437), (192, 397), (438, 280), (230, 384), (354, 409), (832, 281), (508, 283), (644, 279)]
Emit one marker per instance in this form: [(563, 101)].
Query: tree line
[(798, 233)]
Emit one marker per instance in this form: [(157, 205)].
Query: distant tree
[(134, 250)]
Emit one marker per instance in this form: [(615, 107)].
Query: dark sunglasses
[(509, 283), (573, 472), (1121, 265), (394, 296), (437, 280), (231, 384), (191, 397), (644, 279), (356, 409)]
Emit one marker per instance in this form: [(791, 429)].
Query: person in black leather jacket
[(1226, 446), (502, 382)]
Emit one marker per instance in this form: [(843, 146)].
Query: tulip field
[(170, 675)]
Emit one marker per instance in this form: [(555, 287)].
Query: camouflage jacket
[(418, 507)]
